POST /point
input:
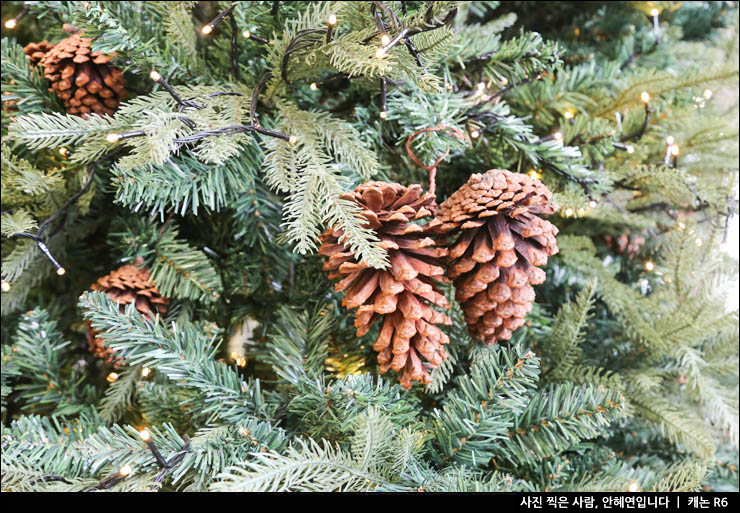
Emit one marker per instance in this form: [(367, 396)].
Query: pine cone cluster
[(84, 80), (494, 260), (127, 284), (403, 293)]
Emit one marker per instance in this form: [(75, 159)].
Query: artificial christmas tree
[(494, 260), (402, 293)]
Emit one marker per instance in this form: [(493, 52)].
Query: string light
[(656, 26), (674, 151), (654, 12), (645, 97), (113, 138), (145, 372), (669, 140), (5, 286), (481, 86), (11, 24), (558, 136), (474, 134), (207, 29), (292, 139), (330, 29), (241, 361), (568, 212), (568, 114), (380, 53), (332, 20), (63, 151), (681, 226), (649, 265), (314, 86), (383, 114), (633, 487), (112, 377), (698, 242), (592, 203), (707, 93), (246, 34), (144, 434), (125, 470), (723, 247), (630, 148), (61, 271), (385, 39)]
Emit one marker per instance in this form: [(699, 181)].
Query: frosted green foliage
[(309, 171)]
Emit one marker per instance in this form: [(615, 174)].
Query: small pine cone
[(493, 261), (402, 293), (36, 51), (84, 80), (628, 244), (127, 284)]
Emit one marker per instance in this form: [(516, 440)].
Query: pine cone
[(493, 261), (82, 79), (402, 292), (627, 243), (128, 284)]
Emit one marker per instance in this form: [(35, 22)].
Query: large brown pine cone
[(127, 284), (84, 80), (493, 261), (402, 293)]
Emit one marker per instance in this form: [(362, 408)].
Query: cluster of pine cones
[(486, 237)]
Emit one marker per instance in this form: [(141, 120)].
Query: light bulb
[(654, 12), (207, 29), (633, 487), (313, 86), (649, 265), (155, 76), (61, 271), (112, 377), (380, 53), (504, 81), (247, 34), (63, 151), (113, 138), (383, 114), (144, 434), (145, 372), (645, 97), (481, 86), (669, 140), (475, 134), (5, 286), (558, 136), (630, 148), (723, 248), (532, 173), (385, 39), (674, 150), (699, 242), (568, 114), (332, 20), (707, 93), (292, 139), (681, 226), (124, 470), (10, 24), (568, 212), (241, 361), (592, 204)]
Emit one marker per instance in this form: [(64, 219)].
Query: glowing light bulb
[(504, 81), (645, 97), (63, 151), (383, 114), (207, 29), (558, 136), (699, 242), (10, 24), (144, 434), (332, 20), (155, 76), (5, 286), (380, 53), (592, 204), (313, 86), (674, 150), (630, 148), (124, 470), (581, 211), (669, 140), (633, 487), (61, 271), (707, 93), (654, 12), (145, 372), (292, 139), (568, 114), (113, 138), (723, 247), (532, 173), (649, 265), (385, 39), (568, 212), (681, 226), (241, 361), (481, 86), (475, 134), (246, 34), (112, 377)]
